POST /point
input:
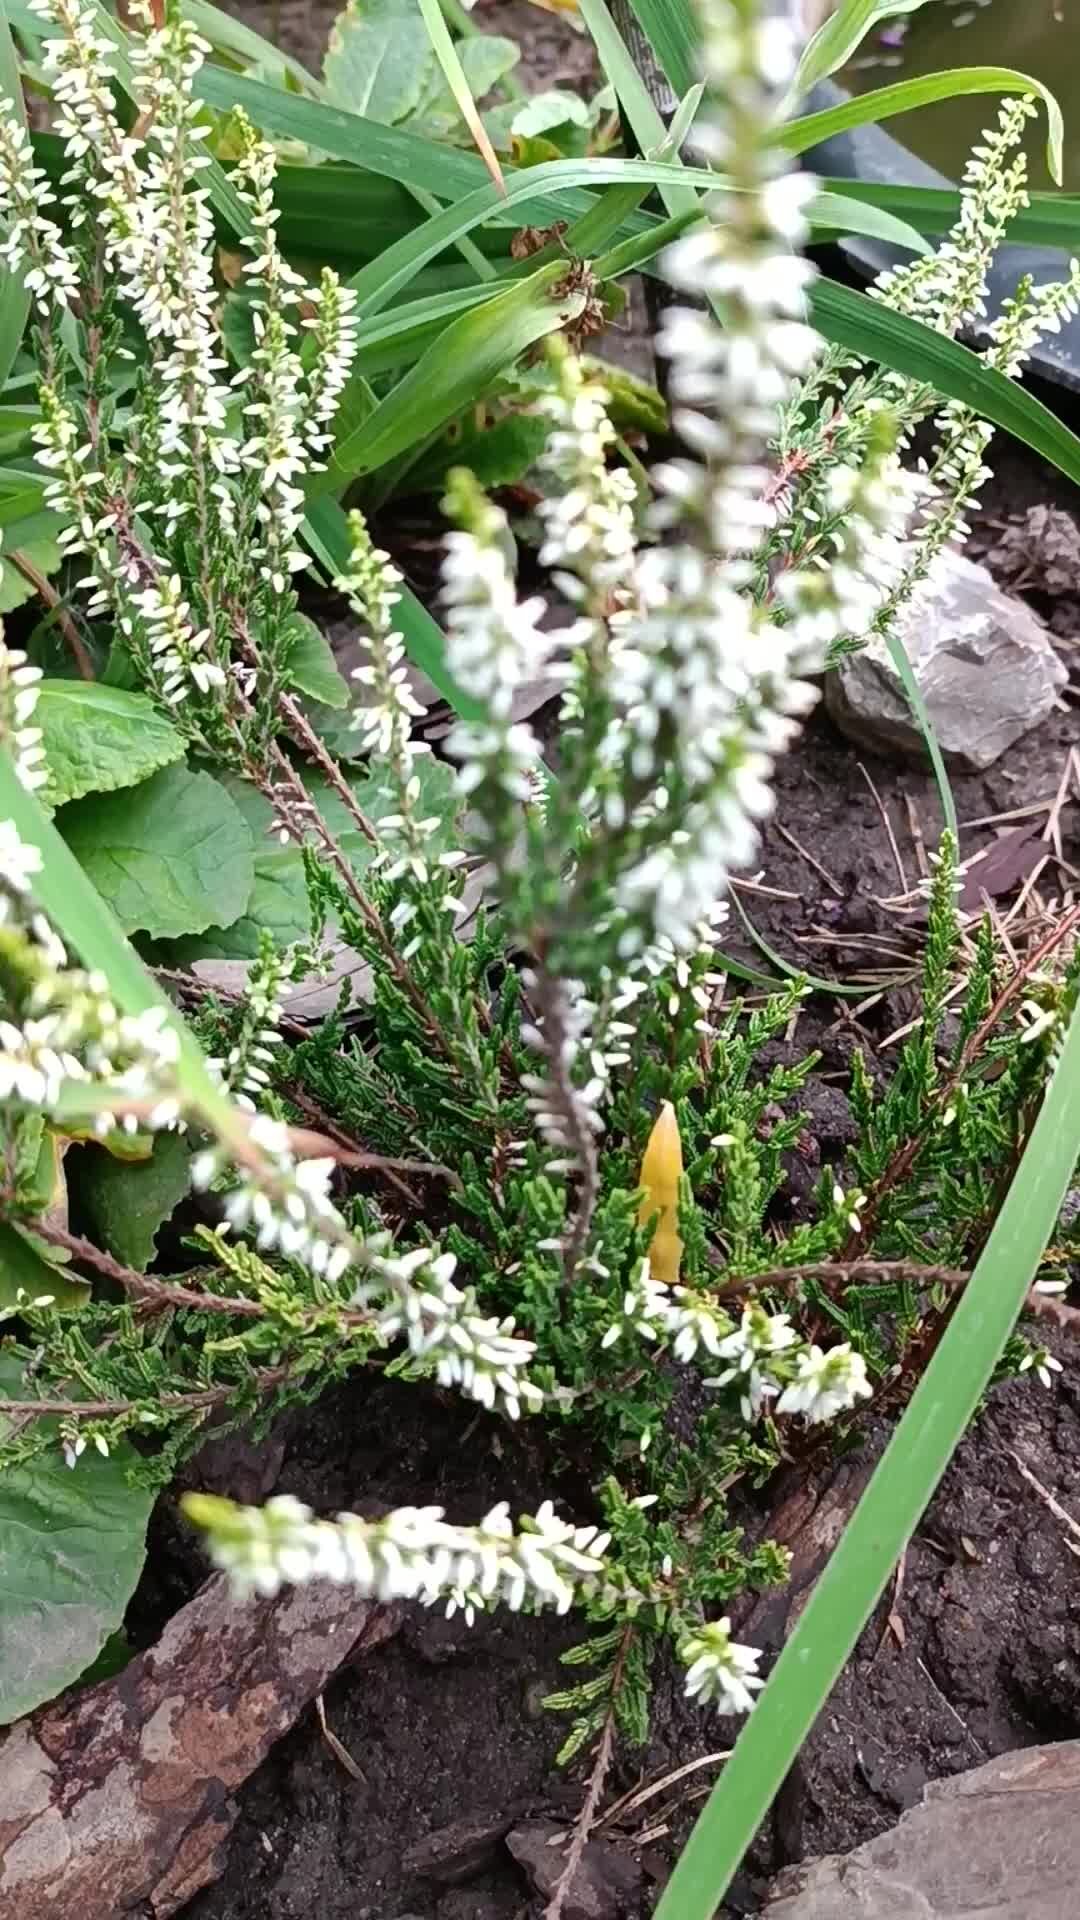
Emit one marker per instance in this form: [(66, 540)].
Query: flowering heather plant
[(593, 1156)]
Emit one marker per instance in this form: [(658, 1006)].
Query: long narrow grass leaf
[(903, 96), (889, 1511)]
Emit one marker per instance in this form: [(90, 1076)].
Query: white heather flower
[(588, 515), (19, 687), (645, 1307), (826, 1384), (385, 719), (1043, 1364), (414, 1295), (564, 1105), (18, 863), (413, 1553), (750, 1349), (721, 1673)]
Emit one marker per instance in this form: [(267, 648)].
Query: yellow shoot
[(661, 1171)]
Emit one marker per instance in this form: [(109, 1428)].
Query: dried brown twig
[(1045, 1306), (586, 1819)]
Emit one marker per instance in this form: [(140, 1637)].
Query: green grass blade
[(670, 27), (899, 656), (836, 40), (845, 213), (890, 1509), (14, 301), (842, 989), (867, 327), (457, 369), (454, 75), (831, 212), (1052, 219), (904, 95), (377, 284)]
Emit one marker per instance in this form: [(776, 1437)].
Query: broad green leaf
[(487, 58), (311, 667), (904, 95), (14, 301), (43, 555), (850, 319), (97, 738), (127, 1205), (551, 109), (837, 38), (72, 1545), (457, 369), (171, 856), (30, 1268), (940, 1410), (278, 901), (378, 59), (499, 455)]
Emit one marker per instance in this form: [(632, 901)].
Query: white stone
[(983, 664)]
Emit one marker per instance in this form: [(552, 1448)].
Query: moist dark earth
[(976, 1647)]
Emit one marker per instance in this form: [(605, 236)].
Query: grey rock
[(999, 1843), (984, 666), (606, 1884), (466, 1905), (460, 1851)]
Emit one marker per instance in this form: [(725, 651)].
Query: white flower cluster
[(766, 1358), (33, 246), (385, 719), (287, 1204), (946, 289), (484, 1357), (67, 1033), (588, 515), (238, 487), (285, 1201), (494, 644), (721, 1673), (413, 1553), (19, 691), (825, 1383), (245, 1070), (290, 414), (566, 1114)]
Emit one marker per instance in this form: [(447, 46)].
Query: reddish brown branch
[(1045, 1306)]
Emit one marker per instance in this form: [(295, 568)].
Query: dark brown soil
[(975, 1651)]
